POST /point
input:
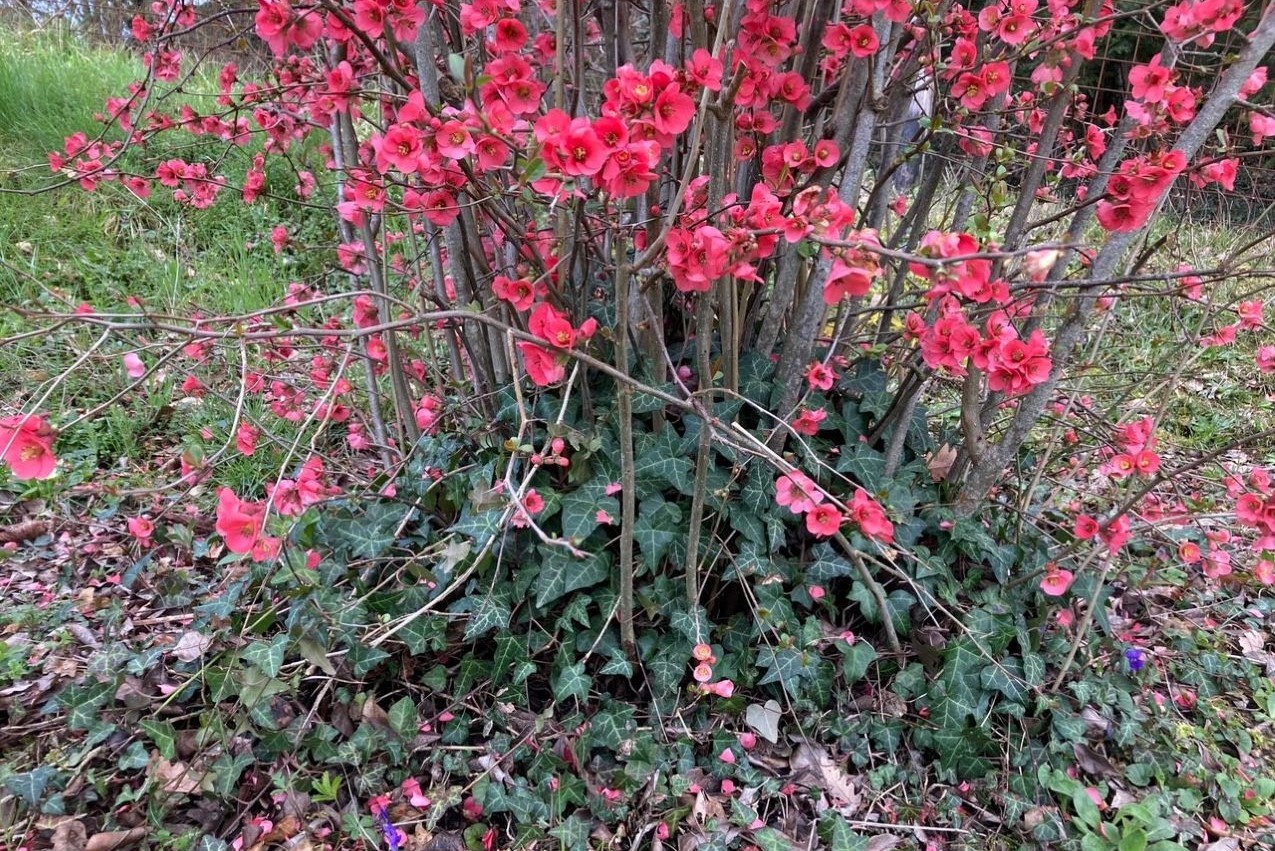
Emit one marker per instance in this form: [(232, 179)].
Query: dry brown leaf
[(376, 716), (883, 842), (62, 666), (1227, 843), (114, 839), (941, 461), (177, 778), (1093, 763), (445, 842), (191, 646), (706, 808), (1096, 723), (1253, 644), (83, 634), (300, 842), (822, 771), (70, 835), (27, 530), (690, 840)]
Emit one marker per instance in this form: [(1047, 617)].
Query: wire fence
[(1135, 40)]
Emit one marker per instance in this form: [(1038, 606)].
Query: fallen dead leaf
[(114, 839), (884, 842), (1093, 763), (376, 716), (70, 835), (191, 646), (445, 842), (300, 842), (941, 461), (813, 767), (175, 777), (28, 530), (1253, 644), (1122, 799), (707, 808), (764, 719), (1228, 843), (62, 666), (83, 634)]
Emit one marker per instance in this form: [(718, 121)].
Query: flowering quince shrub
[(636, 345)]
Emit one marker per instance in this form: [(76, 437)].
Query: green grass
[(65, 246), (51, 84)]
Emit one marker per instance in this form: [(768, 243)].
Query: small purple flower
[(393, 836), (1137, 659)]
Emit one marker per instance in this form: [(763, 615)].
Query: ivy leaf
[(562, 573), (83, 703), (363, 657), (962, 751), (855, 661), (618, 666), (758, 491), (863, 596), (30, 786), (755, 373), (866, 465), (580, 511), (661, 463), (837, 835), (741, 814), (471, 672), (747, 524), (1006, 676), (769, 839), (492, 612), (572, 833), (227, 770), (658, 526), (163, 735), (135, 757), (368, 534), (613, 725), (786, 666), (437, 452), (575, 614), (693, 624), (403, 718), (571, 681), (666, 667), (1033, 669), (423, 634), (827, 565), (511, 651), (645, 403), (267, 655)]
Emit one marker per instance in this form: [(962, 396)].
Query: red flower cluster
[(291, 497), (1013, 365), (26, 445), (240, 524), (1201, 19), (545, 365), (801, 495), (282, 27), (1136, 189), (697, 257)]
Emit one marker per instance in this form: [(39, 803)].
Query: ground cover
[(436, 677)]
